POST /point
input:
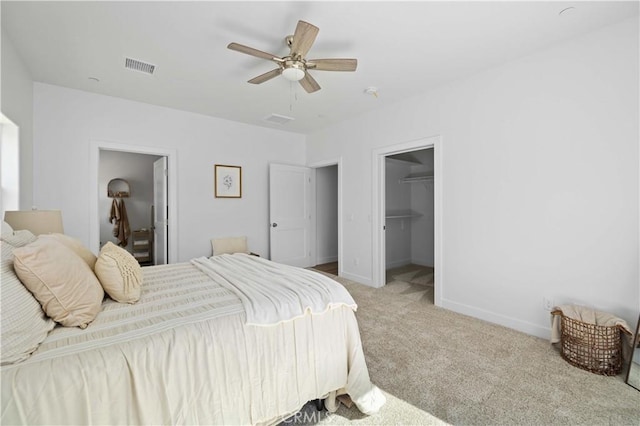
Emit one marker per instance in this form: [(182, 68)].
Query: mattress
[(184, 354)]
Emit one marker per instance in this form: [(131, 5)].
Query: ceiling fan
[(295, 66)]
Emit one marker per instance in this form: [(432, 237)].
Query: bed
[(221, 340)]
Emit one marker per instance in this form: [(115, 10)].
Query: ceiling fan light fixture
[(293, 74)]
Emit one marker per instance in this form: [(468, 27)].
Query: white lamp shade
[(36, 221), (293, 74)]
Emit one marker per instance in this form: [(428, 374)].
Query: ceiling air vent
[(136, 65), (278, 119)]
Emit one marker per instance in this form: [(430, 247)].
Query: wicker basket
[(592, 347)]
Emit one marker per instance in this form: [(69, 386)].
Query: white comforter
[(261, 285), (184, 355)]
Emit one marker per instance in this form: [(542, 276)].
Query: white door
[(290, 190), (160, 222)]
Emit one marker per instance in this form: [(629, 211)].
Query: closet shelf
[(414, 179), (402, 214), (143, 246), (405, 158)]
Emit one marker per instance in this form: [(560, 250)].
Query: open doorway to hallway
[(327, 246)]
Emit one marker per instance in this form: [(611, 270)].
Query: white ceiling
[(403, 48)]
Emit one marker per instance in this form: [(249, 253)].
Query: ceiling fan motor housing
[(288, 40)]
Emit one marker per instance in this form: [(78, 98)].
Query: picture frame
[(228, 181)]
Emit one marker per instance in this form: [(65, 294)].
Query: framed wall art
[(228, 181)]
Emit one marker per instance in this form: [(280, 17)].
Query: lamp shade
[(36, 221)]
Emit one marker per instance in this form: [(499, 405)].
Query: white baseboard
[(323, 260), (516, 324), (397, 263), (355, 277)]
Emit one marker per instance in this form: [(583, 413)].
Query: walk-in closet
[(409, 221)]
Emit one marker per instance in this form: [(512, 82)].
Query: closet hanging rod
[(413, 179)]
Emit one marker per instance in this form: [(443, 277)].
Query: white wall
[(16, 103), (327, 214), (67, 121), (539, 180), (137, 170)]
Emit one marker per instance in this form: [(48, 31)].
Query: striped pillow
[(19, 238), (24, 324), (6, 229)]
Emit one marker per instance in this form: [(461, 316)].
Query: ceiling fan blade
[(334, 64), (303, 39), (309, 83), (253, 52), (266, 76)]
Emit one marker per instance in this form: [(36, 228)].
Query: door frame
[(164, 163), (94, 198), (378, 208), (316, 165)]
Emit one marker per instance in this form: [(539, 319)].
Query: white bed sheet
[(184, 355)]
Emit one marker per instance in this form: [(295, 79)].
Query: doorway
[(409, 222), (327, 219), (97, 209), (412, 167), (327, 222), (289, 215), (135, 205)]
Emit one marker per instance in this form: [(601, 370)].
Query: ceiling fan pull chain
[(291, 96)]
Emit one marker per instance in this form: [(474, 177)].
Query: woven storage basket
[(592, 347)]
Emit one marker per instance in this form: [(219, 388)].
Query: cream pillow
[(63, 283), (229, 245), (119, 273), (76, 246), (24, 324)]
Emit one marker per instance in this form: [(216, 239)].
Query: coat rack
[(118, 188)]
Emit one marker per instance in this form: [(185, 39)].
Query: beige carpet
[(413, 279), (439, 367), (411, 273)]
